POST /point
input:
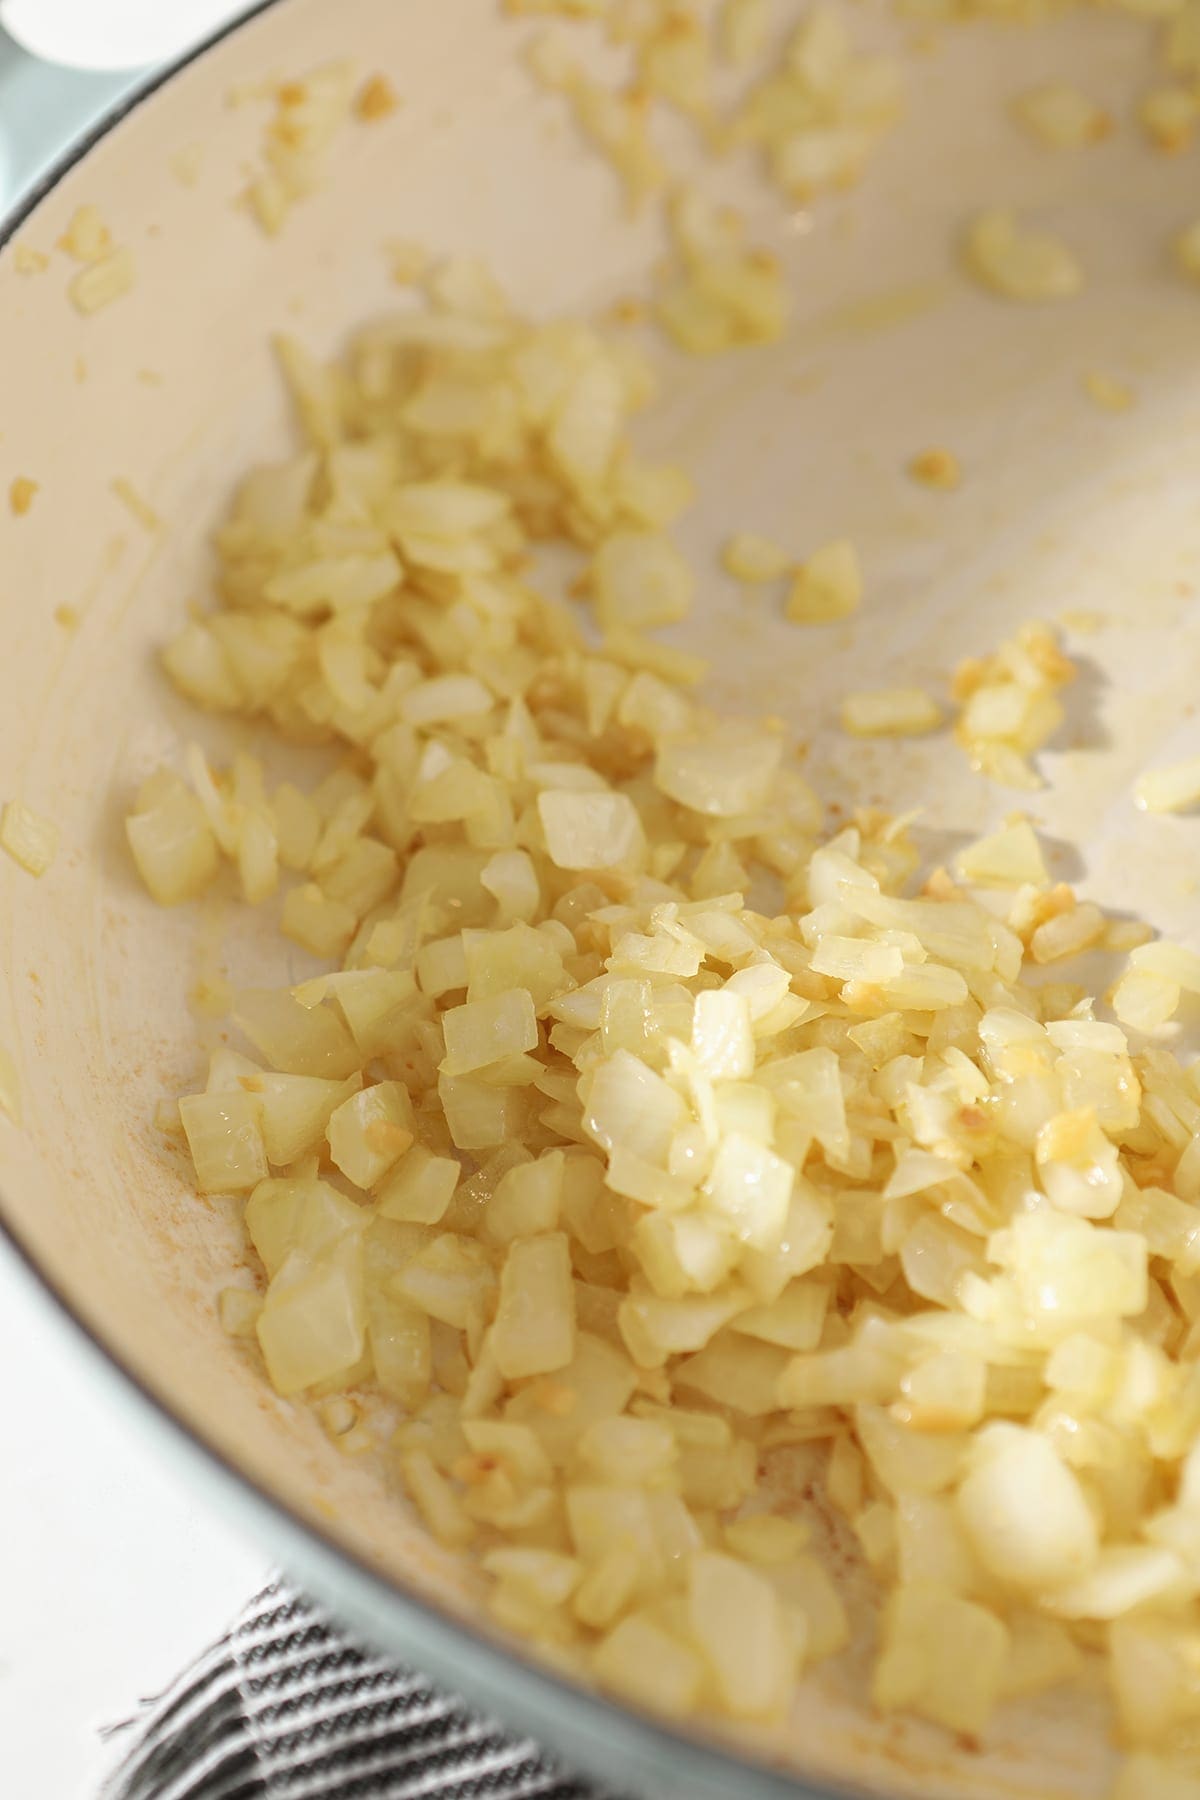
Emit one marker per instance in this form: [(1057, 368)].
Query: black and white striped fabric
[(285, 1707)]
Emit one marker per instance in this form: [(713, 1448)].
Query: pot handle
[(64, 64), (117, 34), (43, 110)]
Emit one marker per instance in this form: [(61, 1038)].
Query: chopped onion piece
[(690, 1134), (738, 1626), (224, 1134), (29, 839), (890, 712), (638, 1658), (1025, 1515), (534, 1329), (590, 830), (483, 1032), (1172, 789), (725, 773), (942, 1656), (749, 557), (369, 1131), (174, 849), (828, 586), (420, 1188), (1061, 117), (313, 1322), (640, 580), (1017, 263), (1009, 857)]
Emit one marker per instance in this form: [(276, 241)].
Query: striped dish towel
[(285, 1707)]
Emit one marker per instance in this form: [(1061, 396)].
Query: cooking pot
[(1068, 511)]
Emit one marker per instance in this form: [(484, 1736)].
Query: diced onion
[(637, 1128)]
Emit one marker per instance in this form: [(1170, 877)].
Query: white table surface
[(112, 1574)]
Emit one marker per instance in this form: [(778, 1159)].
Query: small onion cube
[(638, 1658), (313, 1322), (750, 1187), (890, 712), (628, 1104), (289, 1213), (369, 1131), (1024, 1513), (171, 840), (942, 1657), (419, 1188), (1009, 857), (591, 830), (725, 773), (30, 839), (640, 580), (534, 1329), (482, 1032), (829, 586), (749, 557), (479, 1116), (295, 1111), (737, 1624), (1173, 789), (721, 1035), (224, 1134)]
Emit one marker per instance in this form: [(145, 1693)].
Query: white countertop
[(103, 1598), (112, 1574)]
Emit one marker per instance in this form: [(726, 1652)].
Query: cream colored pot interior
[(1065, 511)]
